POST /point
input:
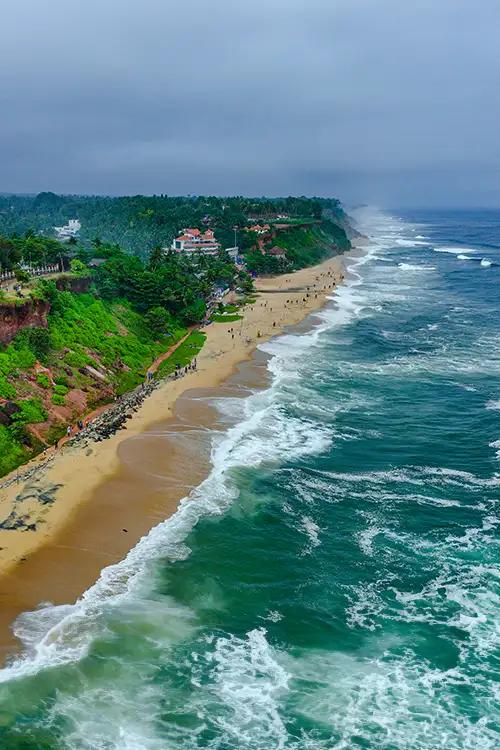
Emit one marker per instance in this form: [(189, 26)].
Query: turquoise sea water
[(336, 584)]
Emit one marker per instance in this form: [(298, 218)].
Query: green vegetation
[(13, 438), (219, 318), (183, 354), (78, 267), (303, 247), (167, 281), (43, 380), (111, 318), (7, 390), (12, 452), (16, 356), (110, 337), (31, 411), (30, 248), (227, 313), (140, 223)]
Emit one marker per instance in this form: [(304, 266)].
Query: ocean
[(336, 583)]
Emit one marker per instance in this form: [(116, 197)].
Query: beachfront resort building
[(195, 241), (70, 229)]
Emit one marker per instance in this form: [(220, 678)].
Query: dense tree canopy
[(166, 280), (33, 249), (140, 223)]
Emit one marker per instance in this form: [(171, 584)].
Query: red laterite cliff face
[(29, 314), (33, 313)]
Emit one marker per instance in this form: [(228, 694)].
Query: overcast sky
[(395, 102)]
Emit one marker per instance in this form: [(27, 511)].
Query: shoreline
[(88, 505)]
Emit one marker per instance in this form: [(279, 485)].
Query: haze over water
[(335, 584)]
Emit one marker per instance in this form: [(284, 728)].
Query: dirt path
[(155, 365)]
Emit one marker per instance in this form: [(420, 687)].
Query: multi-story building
[(195, 241)]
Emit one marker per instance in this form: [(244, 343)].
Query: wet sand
[(107, 496)]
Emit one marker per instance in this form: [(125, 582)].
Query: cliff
[(16, 316)]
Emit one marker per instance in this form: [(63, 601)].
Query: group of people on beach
[(316, 288), (180, 371)]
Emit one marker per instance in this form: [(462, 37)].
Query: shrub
[(37, 340), (13, 359), (7, 390), (194, 313), (11, 451), (158, 320), (58, 399), (60, 389), (43, 380), (31, 411), (78, 268), (46, 289), (22, 275), (76, 359)]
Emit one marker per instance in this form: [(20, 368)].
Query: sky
[(391, 102)]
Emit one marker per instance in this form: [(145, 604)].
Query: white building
[(194, 241), (70, 229)]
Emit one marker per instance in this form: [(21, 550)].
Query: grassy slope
[(183, 354), (109, 337), (306, 247)]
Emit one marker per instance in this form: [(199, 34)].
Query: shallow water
[(336, 583)]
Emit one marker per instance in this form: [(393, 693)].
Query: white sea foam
[(398, 702), (366, 539), (410, 243), (418, 476), (493, 405), (311, 529), (496, 446), (411, 267), (273, 616), (464, 257), (455, 250), (485, 263), (247, 681)]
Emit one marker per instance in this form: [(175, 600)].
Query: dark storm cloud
[(374, 100)]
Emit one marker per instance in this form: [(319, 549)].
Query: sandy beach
[(87, 506)]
